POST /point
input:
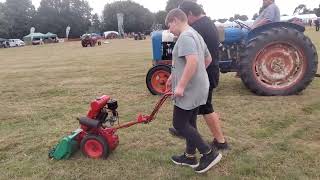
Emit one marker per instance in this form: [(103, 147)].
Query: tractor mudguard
[(258, 30), (66, 146)]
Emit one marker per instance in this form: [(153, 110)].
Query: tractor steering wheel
[(242, 25)]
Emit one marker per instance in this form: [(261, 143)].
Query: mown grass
[(44, 88)]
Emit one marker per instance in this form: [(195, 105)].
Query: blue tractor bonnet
[(156, 37), (234, 35)]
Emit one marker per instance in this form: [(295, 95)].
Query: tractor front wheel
[(84, 44), (278, 62), (157, 78), (94, 146)]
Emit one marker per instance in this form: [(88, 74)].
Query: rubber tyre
[(95, 147), (261, 41), (152, 87)]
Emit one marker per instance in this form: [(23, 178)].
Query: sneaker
[(185, 161), (219, 146), (175, 133), (207, 161)]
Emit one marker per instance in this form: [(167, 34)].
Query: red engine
[(98, 138)]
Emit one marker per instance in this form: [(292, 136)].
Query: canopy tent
[(50, 38), (34, 35), (47, 38), (51, 35), (30, 37)]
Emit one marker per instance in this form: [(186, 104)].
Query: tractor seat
[(91, 123)]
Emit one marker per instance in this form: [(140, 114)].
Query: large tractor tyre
[(84, 44), (157, 78), (278, 62), (95, 147)]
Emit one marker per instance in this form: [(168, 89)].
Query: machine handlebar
[(147, 118)]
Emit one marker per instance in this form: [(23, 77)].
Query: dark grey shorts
[(208, 107)]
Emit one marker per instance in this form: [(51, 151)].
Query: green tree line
[(18, 16)]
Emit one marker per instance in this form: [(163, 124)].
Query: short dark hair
[(176, 13), (190, 6)]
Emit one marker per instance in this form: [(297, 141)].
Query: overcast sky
[(214, 8)]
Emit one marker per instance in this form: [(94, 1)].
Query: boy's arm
[(207, 57), (188, 72), (208, 61)]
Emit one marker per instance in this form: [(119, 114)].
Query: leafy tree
[(95, 23), (231, 19), (18, 15), (56, 15), (49, 17), (317, 11), (299, 9), (171, 4), (239, 17), (302, 9), (3, 22), (222, 20), (136, 17), (243, 18), (160, 17)]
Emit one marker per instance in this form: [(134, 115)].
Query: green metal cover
[(66, 147)]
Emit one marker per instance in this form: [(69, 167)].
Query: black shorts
[(208, 107)]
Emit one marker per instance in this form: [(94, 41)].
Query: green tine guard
[(66, 147)]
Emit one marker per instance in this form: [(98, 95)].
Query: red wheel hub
[(159, 80), (279, 65), (93, 148)]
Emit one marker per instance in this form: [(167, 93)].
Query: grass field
[(44, 88)]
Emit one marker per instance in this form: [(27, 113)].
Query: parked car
[(37, 41), (16, 43), (4, 43)]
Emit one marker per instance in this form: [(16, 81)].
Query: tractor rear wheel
[(278, 62), (157, 78), (94, 146)]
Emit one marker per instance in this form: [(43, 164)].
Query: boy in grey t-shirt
[(190, 85), (190, 43)]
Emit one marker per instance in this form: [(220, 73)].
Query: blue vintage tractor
[(275, 59)]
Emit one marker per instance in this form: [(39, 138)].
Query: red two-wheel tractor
[(98, 136)]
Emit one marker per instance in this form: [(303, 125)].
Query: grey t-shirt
[(271, 13), (196, 91)]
